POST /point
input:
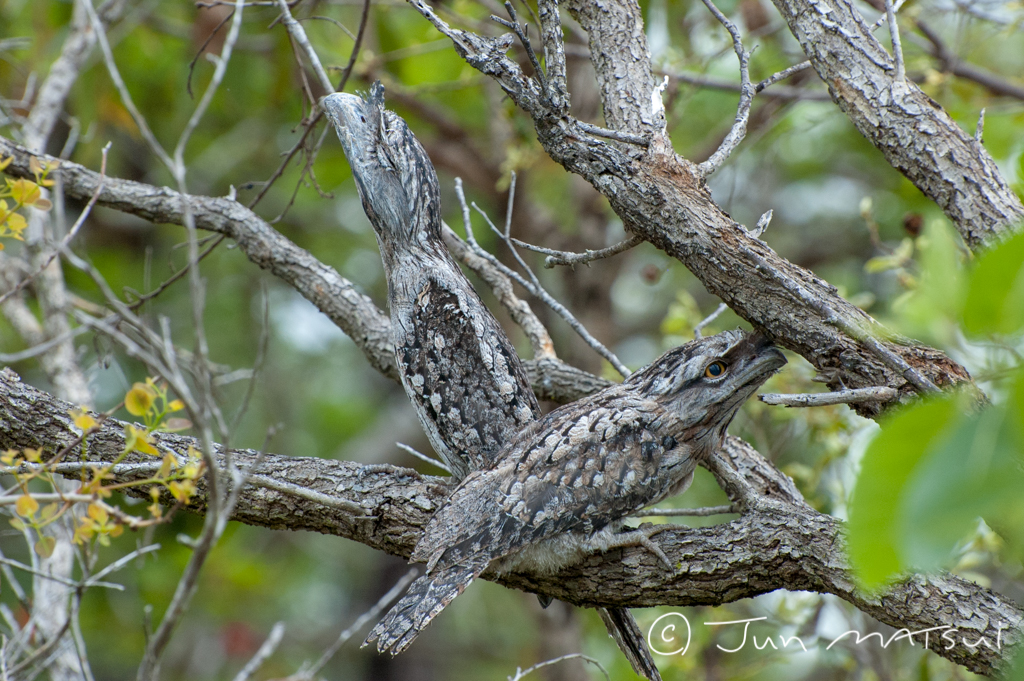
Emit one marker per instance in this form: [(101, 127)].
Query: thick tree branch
[(662, 198), (779, 542), (335, 296), (916, 136)]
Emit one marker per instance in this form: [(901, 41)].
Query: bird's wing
[(576, 470)]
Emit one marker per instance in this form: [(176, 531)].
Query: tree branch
[(662, 198), (916, 136), (353, 312), (778, 542)]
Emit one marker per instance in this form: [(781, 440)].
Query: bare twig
[(361, 621), (71, 233), (572, 259), (355, 47), (949, 61), (850, 396), (979, 131), (897, 49), (122, 89), (423, 457), (261, 656), (57, 578), (617, 135), (524, 37), (532, 285), (722, 307), (739, 127), (298, 34), (782, 75), (521, 673), (762, 224), (777, 92), (693, 512), (142, 299)]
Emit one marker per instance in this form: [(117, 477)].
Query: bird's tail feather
[(425, 599), (624, 629)]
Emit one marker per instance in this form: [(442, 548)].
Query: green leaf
[(995, 291), (975, 471), (932, 310), (874, 541)]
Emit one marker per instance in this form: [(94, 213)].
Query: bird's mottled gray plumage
[(561, 487), (457, 365)]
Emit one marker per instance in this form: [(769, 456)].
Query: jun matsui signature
[(667, 635)]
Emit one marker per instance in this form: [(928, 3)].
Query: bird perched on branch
[(457, 365), (562, 486)]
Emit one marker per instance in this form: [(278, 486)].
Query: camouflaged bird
[(562, 486), (457, 365)]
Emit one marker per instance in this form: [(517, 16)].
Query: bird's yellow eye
[(715, 370)]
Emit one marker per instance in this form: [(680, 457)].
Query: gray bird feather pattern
[(465, 380), (562, 486), (458, 367)]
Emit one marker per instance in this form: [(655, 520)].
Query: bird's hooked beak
[(354, 120)]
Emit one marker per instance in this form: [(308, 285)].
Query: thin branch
[(524, 37), (423, 457), (202, 49), (691, 512), (370, 615), (298, 34), (122, 89), (572, 259), (143, 299), (520, 673), (57, 578), (777, 92), (853, 396), (211, 89), (897, 49), (722, 307), (739, 127), (617, 135), (979, 131), (71, 233), (263, 654), (533, 285), (782, 75), (355, 47), (950, 62)]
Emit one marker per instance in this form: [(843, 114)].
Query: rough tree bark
[(779, 542)]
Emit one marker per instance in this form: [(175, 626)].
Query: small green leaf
[(995, 291), (976, 471), (874, 541)]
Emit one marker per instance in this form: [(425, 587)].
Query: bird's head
[(394, 175), (704, 382)]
